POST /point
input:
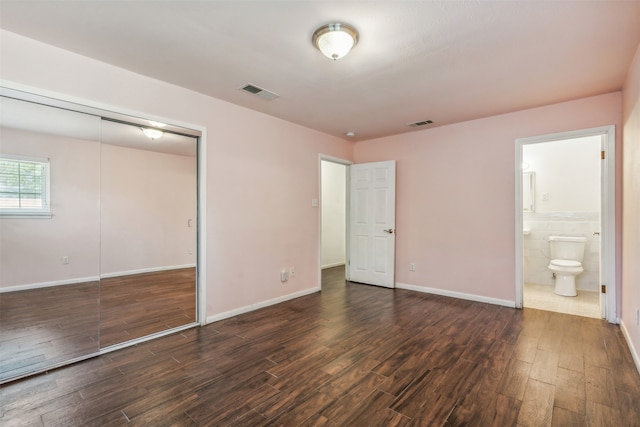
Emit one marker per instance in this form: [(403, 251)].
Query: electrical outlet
[(292, 272), (190, 251), (637, 316), (284, 276), (412, 266), (65, 260)]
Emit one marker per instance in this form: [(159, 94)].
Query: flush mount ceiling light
[(335, 40), (152, 133)]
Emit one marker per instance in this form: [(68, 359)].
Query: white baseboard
[(50, 284), (146, 270), (632, 349), (453, 294), (256, 306), (335, 264)]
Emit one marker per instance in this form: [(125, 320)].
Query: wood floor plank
[(602, 416), (537, 404), (434, 411), (564, 418), (545, 367), (570, 391), (500, 411), (600, 387), (514, 380), (351, 355)]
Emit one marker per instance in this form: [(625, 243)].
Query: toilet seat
[(565, 266), (565, 263)]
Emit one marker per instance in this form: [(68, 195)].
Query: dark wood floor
[(352, 355), (42, 327)]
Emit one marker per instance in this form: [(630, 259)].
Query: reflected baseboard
[(146, 270), (50, 284), (92, 278)]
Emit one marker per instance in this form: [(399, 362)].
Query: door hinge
[(602, 155), (603, 288)]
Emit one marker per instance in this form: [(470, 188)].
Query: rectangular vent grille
[(422, 123), (262, 93)]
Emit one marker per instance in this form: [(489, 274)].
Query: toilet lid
[(565, 263)]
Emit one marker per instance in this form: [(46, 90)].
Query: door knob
[(390, 231)]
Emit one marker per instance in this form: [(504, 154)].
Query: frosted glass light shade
[(335, 40), (152, 133)]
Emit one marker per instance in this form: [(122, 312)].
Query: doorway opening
[(365, 221), (565, 190), (334, 175), (333, 219)]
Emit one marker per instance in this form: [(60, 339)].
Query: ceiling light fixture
[(335, 40), (152, 133)]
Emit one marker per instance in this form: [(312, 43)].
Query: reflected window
[(24, 186)]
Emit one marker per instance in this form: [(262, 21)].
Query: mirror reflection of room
[(97, 235), (147, 232)]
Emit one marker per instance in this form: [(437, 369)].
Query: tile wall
[(536, 245)]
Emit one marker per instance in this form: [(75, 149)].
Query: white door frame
[(346, 163), (607, 218)]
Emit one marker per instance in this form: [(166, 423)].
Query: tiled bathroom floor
[(586, 304)]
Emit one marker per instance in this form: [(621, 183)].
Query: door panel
[(372, 223)]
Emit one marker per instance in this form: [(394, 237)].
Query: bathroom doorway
[(565, 188)]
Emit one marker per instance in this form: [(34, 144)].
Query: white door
[(372, 223)]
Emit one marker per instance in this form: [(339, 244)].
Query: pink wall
[(262, 172), (631, 206), (146, 200), (455, 193), (31, 249)]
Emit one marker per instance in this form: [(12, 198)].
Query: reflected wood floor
[(352, 355), (44, 326), (137, 305)]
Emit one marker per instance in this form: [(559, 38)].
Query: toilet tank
[(564, 247)]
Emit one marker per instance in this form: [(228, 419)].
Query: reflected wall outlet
[(412, 266), (65, 259), (292, 272), (637, 316)]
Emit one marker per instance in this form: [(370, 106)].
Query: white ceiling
[(446, 61)]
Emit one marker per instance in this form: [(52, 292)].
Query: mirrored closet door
[(98, 232)]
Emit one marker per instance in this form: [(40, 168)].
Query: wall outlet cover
[(284, 276)]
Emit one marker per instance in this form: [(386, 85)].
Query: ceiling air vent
[(258, 91), (422, 123)]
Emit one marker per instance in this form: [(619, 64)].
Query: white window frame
[(45, 211)]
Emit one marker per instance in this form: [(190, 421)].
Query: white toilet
[(566, 262)]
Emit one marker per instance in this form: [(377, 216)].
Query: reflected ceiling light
[(152, 133), (335, 40), (156, 124)]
